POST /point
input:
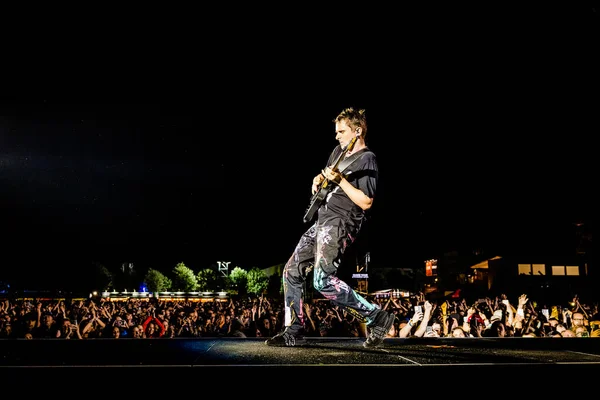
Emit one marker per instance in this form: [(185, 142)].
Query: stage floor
[(216, 359), (236, 352)]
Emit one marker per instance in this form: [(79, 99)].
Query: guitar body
[(319, 196), (316, 200)]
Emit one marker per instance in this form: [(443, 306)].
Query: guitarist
[(338, 222)]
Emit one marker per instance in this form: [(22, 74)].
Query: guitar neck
[(343, 153)]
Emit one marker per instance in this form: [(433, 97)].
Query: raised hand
[(523, 299)]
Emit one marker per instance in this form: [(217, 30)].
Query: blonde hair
[(355, 119)]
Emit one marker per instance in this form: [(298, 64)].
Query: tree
[(257, 281), (156, 281), (184, 278), (206, 279), (100, 278), (237, 279)]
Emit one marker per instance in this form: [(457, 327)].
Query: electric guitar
[(325, 187)]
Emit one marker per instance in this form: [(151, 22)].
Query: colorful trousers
[(322, 248)]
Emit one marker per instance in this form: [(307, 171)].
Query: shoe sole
[(299, 343)]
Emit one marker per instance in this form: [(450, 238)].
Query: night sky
[(482, 142)]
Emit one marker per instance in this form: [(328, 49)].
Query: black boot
[(379, 328)]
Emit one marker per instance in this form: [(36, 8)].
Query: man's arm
[(356, 195)]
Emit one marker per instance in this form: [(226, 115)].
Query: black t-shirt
[(362, 174)]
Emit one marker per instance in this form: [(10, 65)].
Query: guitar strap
[(345, 163)]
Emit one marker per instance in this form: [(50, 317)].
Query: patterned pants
[(322, 247)]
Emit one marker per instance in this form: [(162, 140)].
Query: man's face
[(344, 133), (578, 319)]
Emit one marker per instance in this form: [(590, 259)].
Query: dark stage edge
[(218, 360)]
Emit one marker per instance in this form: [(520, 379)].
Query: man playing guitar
[(340, 212)]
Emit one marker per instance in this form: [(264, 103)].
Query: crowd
[(415, 316)]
